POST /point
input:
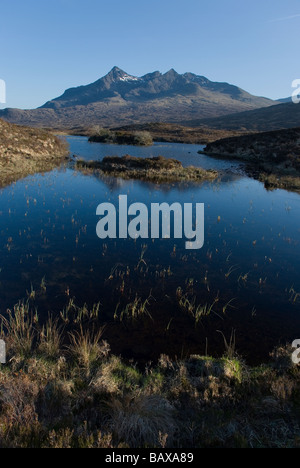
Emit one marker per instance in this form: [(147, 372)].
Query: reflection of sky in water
[(48, 229), (187, 154)]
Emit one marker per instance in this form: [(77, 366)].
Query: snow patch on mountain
[(126, 77)]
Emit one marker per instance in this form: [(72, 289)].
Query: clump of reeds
[(86, 347), (140, 419), (133, 310), (189, 305), (19, 327), (51, 338)]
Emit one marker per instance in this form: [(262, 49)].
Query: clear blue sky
[(48, 46)]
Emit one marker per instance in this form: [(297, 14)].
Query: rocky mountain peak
[(116, 74)]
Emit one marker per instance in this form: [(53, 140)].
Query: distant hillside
[(174, 133), (284, 100), (277, 147), (121, 99), (261, 120)]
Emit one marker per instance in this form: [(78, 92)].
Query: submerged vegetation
[(63, 388), (158, 170), (25, 151)]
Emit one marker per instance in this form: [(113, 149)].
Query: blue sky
[(48, 46)]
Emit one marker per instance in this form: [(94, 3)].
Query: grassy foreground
[(62, 388)]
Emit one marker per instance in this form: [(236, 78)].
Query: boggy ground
[(25, 151), (158, 170), (158, 132), (174, 133), (272, 157), (62, 388)]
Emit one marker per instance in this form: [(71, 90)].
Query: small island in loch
[(120, 137), (157, 170)]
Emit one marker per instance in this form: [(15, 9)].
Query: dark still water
[(246, 276)]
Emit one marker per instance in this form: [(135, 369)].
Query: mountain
[(119, 98), (280, 116), (285, 100)]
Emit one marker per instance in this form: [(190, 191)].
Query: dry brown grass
[(51, 338), (86, 349), (89, 398), (25, 151), (139, 419), (19, 325), (157, 170)]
